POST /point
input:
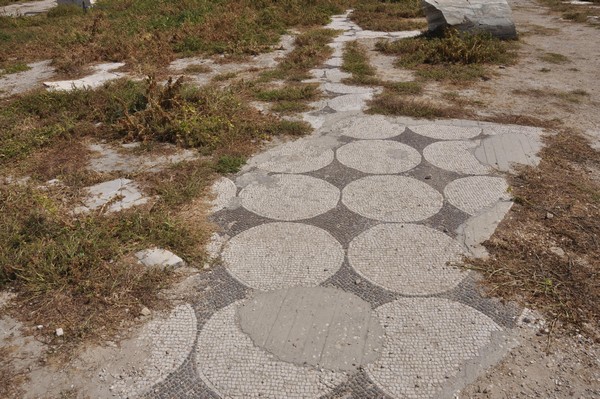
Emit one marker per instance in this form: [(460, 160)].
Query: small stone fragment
[(59, 332), (145, 311), (160, 258)]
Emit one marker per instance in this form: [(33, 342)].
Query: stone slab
[(491, 16), (323, 327)]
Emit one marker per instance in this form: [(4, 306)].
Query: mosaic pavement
[(337, 279)]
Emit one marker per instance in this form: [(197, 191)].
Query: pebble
[(59, 332), (145, 311)]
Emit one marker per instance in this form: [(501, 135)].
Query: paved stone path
[(336, 276)]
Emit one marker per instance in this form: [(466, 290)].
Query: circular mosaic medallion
[(378, 156), (368, 127), (279, 255), (231, 364), (473, 194), (322, 327), (392, 198), (406, 258), (224, 191), (289, 197), (446, 132), (295, 157), (455, 156), (340, 88), (349, 102), (428, 340), (169, 341)]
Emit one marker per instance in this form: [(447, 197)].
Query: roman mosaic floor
[(336, 273)]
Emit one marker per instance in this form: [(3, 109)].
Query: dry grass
[(356, 61), (573, 96), (557, 207), (576, 13), (455, 57), (310, 51), (73, 271), (147, 34), (389, 16), (389, 103), (554, 58)]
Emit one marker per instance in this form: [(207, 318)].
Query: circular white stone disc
[(392, 198), (341, 88), (290, 197), (229, 363), (379, 156), (427, 341), (446, 132), (455, 156), (295, 157), (349, 102), (368, 127), (406, 258), (280, 255), (473, 194)]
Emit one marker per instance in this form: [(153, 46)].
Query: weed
[(222, 77), (292, 92), (389, 16), (554, 58), (576, 13), (455, 57), (310, 51), (9, 68), (356, 62), (197, 69), (573, 96), (229, 164), (388, 103), (148, 34), (405, 88), (521, 264), (289, 107)]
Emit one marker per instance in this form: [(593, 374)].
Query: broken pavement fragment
[(102, 73), (159, 258), (114, 195), (474, 16)]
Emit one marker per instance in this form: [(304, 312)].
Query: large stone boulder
[(493, 16)]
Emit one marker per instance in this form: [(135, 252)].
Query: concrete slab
[(112, 196), (329, 328), (503, 151)]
